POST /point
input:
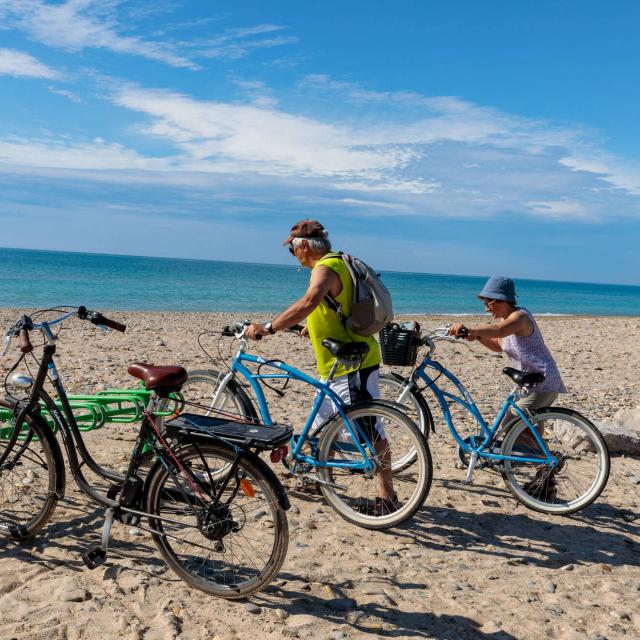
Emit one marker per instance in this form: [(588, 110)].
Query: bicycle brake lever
[(7, 340)]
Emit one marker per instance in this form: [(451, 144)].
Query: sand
[(473, 563)]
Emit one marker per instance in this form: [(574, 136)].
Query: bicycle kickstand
[(97, 556), (472, 464)]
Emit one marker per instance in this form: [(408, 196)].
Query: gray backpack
[(371, 306)]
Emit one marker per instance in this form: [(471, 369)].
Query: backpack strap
[(330, 301)]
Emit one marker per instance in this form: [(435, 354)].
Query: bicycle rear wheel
[(355, 494), (229, 547), (28, 476), (583, 468)]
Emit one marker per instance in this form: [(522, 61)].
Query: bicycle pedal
[(94, 557)]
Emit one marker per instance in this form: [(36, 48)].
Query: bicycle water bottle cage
[(524, 377), (346, 350)]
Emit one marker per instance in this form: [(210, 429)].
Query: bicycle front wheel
[(583, 462), (383, 498), (28, 475), (396, 389), (218, 526), (203, 386)]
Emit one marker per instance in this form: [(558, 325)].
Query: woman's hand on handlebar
[(460, 331)]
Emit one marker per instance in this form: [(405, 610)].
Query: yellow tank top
[(323, 323)]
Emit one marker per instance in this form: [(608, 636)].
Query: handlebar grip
[(25, 343), (107, 322)]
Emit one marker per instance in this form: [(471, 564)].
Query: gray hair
[(317, 245)]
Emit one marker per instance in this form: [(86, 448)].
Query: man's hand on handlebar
[(256, 331)]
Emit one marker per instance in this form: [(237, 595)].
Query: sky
[(462, 137)]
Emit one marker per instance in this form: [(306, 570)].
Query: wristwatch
[(269, 327)]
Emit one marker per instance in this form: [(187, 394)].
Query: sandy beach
[(472, 564)]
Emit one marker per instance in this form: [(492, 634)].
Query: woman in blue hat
[(517, 334)]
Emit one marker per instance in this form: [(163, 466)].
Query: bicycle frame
[(466, 401), (297, 442)]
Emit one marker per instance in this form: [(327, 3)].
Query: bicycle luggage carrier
[(239, 433)]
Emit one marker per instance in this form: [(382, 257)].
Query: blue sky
[(461, 137)]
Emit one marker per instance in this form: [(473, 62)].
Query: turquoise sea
[(35, 279)]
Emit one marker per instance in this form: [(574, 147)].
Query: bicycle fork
[(472, 465)]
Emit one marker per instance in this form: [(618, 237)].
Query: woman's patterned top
[(530, 353)]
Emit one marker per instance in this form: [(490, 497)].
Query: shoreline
[(270, 313)]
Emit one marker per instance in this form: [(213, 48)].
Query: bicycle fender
[(424, 405), (272, 479)]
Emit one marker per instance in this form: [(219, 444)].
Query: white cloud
[(613, 171), (76, 25), (449, 158), (86, 156), (251, 138), (17, 63), (559, 209), (66, 94)]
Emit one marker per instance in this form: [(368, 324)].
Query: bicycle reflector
[(247, 488), (279, 454)]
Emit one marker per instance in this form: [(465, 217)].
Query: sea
[(38, 279)]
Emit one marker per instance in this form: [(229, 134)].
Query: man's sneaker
[(379, 506), (543, 485), (385, 506)]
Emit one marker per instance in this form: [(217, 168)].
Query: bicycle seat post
[(332, 373)]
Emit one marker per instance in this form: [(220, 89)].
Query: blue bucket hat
[(499, 288)]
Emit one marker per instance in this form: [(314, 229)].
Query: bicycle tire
[(578, 449), (242, 405), (349, 502), (205, 564), (38, 448), (392, 386)]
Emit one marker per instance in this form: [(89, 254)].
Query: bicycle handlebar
[(95, 317), (236, 329), (441, 334), (25, 343), (22, 328)]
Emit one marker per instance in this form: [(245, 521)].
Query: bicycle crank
[(314, 477)]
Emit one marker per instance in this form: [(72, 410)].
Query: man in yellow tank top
[(308, 241)]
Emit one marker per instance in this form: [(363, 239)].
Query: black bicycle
[(215, 510)]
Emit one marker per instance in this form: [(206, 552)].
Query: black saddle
[(524, 377), (346, 350)]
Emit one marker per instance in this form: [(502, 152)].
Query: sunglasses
[(292, 249), (488, 303)]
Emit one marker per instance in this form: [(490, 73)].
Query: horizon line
[(275, 264)]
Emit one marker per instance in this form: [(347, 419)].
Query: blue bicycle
[(553, 460), (350, 456)]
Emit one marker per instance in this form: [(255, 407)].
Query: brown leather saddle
[(162, 380)]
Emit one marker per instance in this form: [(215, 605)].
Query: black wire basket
[(399, 344)]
